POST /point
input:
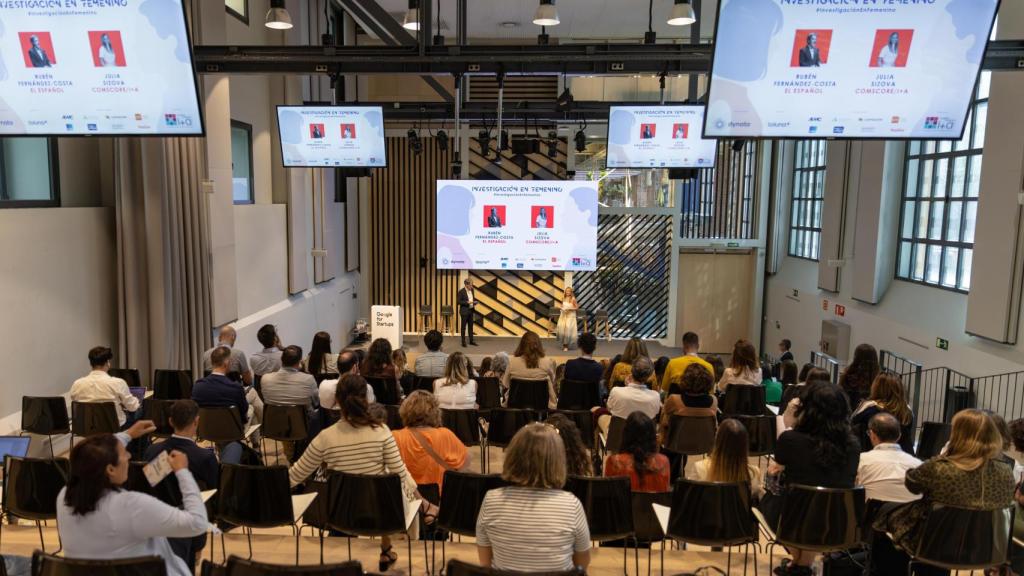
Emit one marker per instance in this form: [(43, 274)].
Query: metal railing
[(831, 365), (937, 394), (910, 373)]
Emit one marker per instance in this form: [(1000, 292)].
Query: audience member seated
[(691, 397), (785, 347), (606, 377), (858, 376), (202, 463), (359, 443), (378, 363), (431, 364), (729, 461), (635, 348), (320, 359), (427, 449), (638, 457), (677, 366), (577, 459), (744, 369), (97, 520), (883, 469), (237, 364), (348, 363), (456, 390), (791, 401), (529, 363), (498, 367), (533, 525), (969, 475), (585, 368), (290, 386), (99, 386), (406, 377), (1017, 443), (485, 366), (634, 396), (886, 396), (1008, 453), (819, 451), (217, 390), (269, 360), (717, 366)]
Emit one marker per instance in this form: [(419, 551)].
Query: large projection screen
[(658, 137), (516, 225), (891, 69), (120, 67), (332, 136)]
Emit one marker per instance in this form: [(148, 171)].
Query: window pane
[(25, 168), (969, 221), (926, 178), (936, 220), (904, 259), (974, 176), (984, 83), (934, 261), (922, 219), (959, 177), (241, 163), (908, 217), (808, 190), (912, 178), (965, 275), (949, 266), (980, 116), (953, 224)]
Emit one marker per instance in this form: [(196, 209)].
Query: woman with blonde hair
[(728, 461), (566, 327), (969, 475), (533, 525), (427, 448), (744, 368), (456, 390), (635, 348), (887, 395), (529, 363)]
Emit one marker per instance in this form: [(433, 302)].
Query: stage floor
[(490, 345)]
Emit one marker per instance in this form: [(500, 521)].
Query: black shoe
[(463, 343), (472, 343), (792, 570)]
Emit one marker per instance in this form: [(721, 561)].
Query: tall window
[(940, 203), (720, 202), (241, 162), (28, 173), (238, 8), (808, 196)]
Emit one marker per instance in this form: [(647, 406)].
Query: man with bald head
[(237, 363)]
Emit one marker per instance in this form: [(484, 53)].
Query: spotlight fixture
[(564, 101), (503, 144), (552, 144), (682, 14), (415, 144), (581, 141), (546, 14), (737, 145), (484, 139), (278, 17), (442, 140), (412, 16)]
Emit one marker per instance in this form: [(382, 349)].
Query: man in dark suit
[(36, 55), (217, 390), (810, 56), (467, 302), (493, 220), (784, 347)]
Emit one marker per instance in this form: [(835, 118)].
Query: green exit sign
[(942, 344)]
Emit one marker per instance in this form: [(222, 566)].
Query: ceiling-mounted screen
[(338, 136), (97, 68), (846, 68), (658, 137), (516, 225)]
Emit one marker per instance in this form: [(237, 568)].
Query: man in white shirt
[(269, 360), (431, 363), (348, 363), (634, 396), (237, 362), (883, 470), (99, 386)]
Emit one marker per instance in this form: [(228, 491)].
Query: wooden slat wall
[(517, 89)]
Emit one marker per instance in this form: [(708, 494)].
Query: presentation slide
[(846, 68), (341, 136), (658, 137), (91, 67), (516, 225)]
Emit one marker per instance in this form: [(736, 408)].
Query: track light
[(442, 140), (682, 14), (278, 17), (503, 144), (546, 14), (484, 139), (414, 141), (552, 144), (581, 141), (412, 16), (564, 101), (737, 145)]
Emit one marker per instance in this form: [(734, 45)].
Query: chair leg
[(662, 557), (298, 533), (248, 538), (60, 543), (408, 541), (728, 560), (349, 541), (624, 569), (42, 543)]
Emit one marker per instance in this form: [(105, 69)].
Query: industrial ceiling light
[(412, 16), (682, 14), (442, 140), (546, 14), (278, 17), (552, 144), (483, 138), (581, 141)]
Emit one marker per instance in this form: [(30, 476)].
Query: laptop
[(14, 446), (139, 392)]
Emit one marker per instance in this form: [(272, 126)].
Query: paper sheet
[(300, 502), (662, 513), (207, 494)]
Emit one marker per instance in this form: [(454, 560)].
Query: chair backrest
[(221, 424), (129, 375), (532, 394), (385, 389), (464, 423), (505, 422), (167, 491), (425, 383), (284, 423), (254, 496), (365, 505), (172, 384), (821, 519), (578, 395), (614, 439), (48, 565), (608, 504), (963, 539), (488, 393), (460, 568), (240, 567), (447, 310), (88, 418), (691, 435), (743, 399), (324, 376), (711, 513), (45, 415), (761, 434), (646, 527), (584, 420), (159, 411), (461, 500), (31, 486), (426, 310), (394, 417), (934, 436)]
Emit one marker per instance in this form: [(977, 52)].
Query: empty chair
[(962, 539), (460, 568), (48, 565), (129, 375), (259, 497), (819, 519), (172, 384), (220, 425), (88, 418), (613, 439), (578, 395), (584, 421), (744, 400), (691, 435), (30, 489), (425, 313), (608, 504), (424, 383), (447, 314), (465, 424), (713, 514), (488, 393), (385, 390), (601, 321), (761, 434), (46, 416), (284, 424), (530, 394), (934, 435), (240, 567), (461, 500), (646, 527), (159, 411)]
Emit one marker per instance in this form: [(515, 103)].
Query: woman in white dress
[(566, 328), (890, 52), (105, 53)]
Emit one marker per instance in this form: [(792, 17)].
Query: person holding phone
[(98, 520)]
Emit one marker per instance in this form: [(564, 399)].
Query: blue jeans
[(231, 453)]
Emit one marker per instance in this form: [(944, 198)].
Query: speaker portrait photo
[(810, 48), (542, 217), (107, 49), (316, 131), (680, 131), (494, 216), (37, 47), (348, 131), (891, 48), (647, 131)]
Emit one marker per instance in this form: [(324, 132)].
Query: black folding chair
[(30, 490), (283, 424), (962, 539), (89, 418), (129, 375), (461, 500), (46, 416), (256, 497), (608, 505), (504, 424), (578, 395), (44, 564), (744, 400), (646, 527), (528, 394), (240, 567), (172, 384), (714, 514)]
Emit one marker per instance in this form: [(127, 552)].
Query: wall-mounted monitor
[(852, 69), (97, 68), (516, 225), (658, 137), (332, 136)]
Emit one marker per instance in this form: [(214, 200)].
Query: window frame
[(723, 198), (813, 171), (54, 168), (252, 182), (243, 17)]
